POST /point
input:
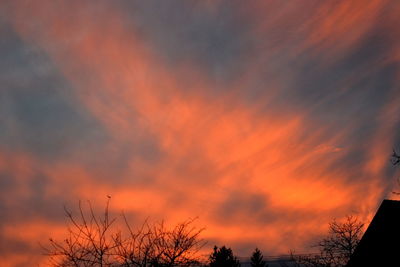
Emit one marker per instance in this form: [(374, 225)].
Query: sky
[(264, 119)]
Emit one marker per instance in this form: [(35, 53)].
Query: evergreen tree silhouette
[(223, 257), (257, 259)]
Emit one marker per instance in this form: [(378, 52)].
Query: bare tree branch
[(92, 241), (338, 246), (395, 158)]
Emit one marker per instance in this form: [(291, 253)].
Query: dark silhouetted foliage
[(223, 257), (256, 259)]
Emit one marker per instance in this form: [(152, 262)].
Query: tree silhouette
[(256, 259), (338, 246), (223, 257), (94, 241), (395, 158)]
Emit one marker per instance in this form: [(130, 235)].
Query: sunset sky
[(264, 119)]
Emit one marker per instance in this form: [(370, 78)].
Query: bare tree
[(88, 243), (155, 245), (338, 246), (395, 158), (94, 241)]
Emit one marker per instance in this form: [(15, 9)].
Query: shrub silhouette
[(223, 257)]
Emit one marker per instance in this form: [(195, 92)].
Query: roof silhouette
[(380, 243)]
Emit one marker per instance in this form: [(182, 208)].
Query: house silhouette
[(380, 244)]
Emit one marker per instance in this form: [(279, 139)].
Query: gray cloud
[(179, 31), (244, 207), (38, 110), (38, 203)]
